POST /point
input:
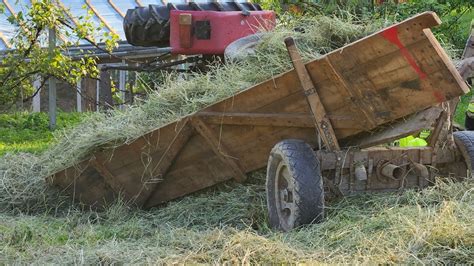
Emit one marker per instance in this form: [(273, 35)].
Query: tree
[(29, 58)]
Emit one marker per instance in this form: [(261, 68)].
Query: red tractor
[(197, 29)]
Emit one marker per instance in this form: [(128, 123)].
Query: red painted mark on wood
[(391, 35), (439, 96)]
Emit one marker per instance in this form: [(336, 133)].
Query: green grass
[(29, 132)]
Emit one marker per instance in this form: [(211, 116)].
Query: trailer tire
[(294, 186), (465, 142)]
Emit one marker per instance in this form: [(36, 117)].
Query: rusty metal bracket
[(310, 91)]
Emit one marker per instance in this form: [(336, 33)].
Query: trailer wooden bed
[(345, 104)]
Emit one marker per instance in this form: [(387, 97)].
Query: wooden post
[(88, 90), (52, 82), (37, 97), (132, 76), (105, 90), (323, 124)]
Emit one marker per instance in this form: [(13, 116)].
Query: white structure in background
[(37, 97)]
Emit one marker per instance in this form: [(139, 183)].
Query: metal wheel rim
[(284, 195)]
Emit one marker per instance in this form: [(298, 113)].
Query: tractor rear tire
[(294, 186), (465, 142)]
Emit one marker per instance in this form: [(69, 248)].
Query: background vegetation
[(455, 14)]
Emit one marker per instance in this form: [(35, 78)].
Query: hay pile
[(22, 175), (228, 225)]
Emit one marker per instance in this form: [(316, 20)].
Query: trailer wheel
[(294, 186), (465, 142)]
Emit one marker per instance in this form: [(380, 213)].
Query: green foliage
[(29, 132), (455, 14), (29, 58), (451, 13)]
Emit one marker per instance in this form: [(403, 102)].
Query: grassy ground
[(28, 132)]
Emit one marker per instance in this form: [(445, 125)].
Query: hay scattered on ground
[(176, 98), (229, 224)]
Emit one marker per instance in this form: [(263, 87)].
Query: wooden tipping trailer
[(388, 85)]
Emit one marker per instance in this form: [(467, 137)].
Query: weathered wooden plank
[(253, 148), (323, 124), (219, 148), (446, 60), (167, 159), (147, 147), (105, 90), (257, 119), (108, 177), (406, 127), (386, 41), (356, 95), (440, 122), (297, 103), (85, 185), (186, 176)]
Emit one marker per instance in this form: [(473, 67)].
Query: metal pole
[(97, 95), (79, 96), (122, 80), (52, 83), (37, 97)]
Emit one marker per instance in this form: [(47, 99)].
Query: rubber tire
[(465, 142), (304, 168)]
